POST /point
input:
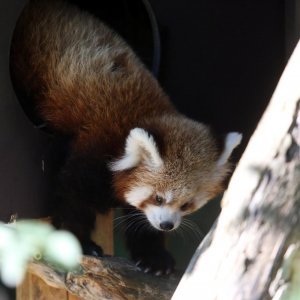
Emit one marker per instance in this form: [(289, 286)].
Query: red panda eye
[(159, 199), (185, 206)]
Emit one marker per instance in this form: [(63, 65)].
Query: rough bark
[(253, 250), (107, 278)]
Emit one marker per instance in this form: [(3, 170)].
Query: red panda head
[(175, 177)]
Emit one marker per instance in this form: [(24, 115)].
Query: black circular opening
[(134, 20)]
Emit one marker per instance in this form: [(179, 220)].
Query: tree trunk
[(253, 251)]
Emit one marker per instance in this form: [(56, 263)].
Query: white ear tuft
[(232, 140), (140, 145)]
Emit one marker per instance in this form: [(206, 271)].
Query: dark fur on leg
[(83, 189)]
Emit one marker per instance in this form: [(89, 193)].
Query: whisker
[(132, 218), (197, 228), (193, 228), (135, 225), (140, 225), (146, 226), (182, 233), (122, 208), (128, 216)]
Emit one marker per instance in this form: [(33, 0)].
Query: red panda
[(129, 145)]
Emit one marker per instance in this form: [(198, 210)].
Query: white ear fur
[(232, 140), (140, 145)]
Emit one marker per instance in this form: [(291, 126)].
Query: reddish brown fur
[(86, 82), (76, 86), (189, 162), (128, 143)]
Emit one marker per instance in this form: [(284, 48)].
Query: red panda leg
[(83, 190)]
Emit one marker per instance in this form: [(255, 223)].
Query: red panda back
[(80, 74)]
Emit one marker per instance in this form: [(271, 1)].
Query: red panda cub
[(129, 145)]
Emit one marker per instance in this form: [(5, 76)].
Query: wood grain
[(107, 278), (34, 287)]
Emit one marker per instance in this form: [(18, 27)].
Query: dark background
[(221, 60), (220, 63)]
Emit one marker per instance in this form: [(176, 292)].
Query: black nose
[(166, 225)]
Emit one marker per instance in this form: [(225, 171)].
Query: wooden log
[(253, 251), (107, 278), (34, 287)]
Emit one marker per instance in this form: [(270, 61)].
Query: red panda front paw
[(158, 263), (92, 249)]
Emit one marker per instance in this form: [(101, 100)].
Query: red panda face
[(160, 214), (167, 194), (165, 209), (170, 186)]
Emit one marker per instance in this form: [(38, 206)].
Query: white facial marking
[(168, 196), (139, 145), (232, 140), (158, 214), (138, 194)]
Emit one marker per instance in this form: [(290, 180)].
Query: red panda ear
[(140, 148), (232, 140)]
